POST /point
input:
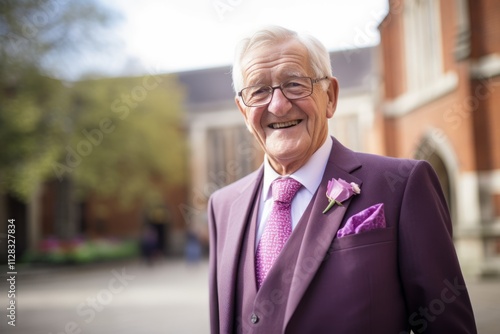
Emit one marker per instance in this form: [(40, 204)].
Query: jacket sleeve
[(436, 297)]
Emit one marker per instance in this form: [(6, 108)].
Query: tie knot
[(284, 189)]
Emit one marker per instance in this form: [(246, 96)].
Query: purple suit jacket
[(388, 281)]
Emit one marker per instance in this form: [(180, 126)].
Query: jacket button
[(254, 318)]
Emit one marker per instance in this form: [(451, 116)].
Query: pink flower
[(339, 191)]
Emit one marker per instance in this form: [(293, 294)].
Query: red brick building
[(440, 93)]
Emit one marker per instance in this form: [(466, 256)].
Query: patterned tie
[(278, 227)]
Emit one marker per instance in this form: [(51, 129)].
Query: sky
[(160, 36)]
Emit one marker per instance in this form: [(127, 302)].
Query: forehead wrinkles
[(290, 61)]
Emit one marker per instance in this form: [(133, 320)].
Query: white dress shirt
[(309, 175)]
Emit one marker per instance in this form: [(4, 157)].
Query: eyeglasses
[(293, 89)]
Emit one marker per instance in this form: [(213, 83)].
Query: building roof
[(213, 85)]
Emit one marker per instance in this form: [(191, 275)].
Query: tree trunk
[(34, 221), (65, 219)]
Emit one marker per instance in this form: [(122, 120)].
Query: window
[(346, 129), (423, 43), (231, 155), (462, 43)]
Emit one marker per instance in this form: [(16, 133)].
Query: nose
[(279, 104)]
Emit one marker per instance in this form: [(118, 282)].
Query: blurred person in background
[(149, 244), (193, 247)]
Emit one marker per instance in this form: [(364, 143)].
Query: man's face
[(288, 131)]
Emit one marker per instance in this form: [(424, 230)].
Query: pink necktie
[(278, 227)]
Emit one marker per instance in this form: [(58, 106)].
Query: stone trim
[(411, 101), (486, 67)]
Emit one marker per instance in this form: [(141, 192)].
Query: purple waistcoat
[(266, 307)]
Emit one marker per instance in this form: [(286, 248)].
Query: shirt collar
[(309, 175)]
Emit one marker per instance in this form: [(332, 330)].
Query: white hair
[(318, 55)]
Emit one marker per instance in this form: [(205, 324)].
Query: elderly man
[(319, 239)]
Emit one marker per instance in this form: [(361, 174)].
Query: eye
[(258, 91), (295, 84), (291, 84)]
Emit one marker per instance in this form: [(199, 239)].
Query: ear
[(243, 109), (333, 93)]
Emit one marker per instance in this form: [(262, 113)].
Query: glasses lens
[(256, 95), (293, 89), (297, 88)]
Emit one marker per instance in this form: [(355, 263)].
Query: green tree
[(33, 33), (39, 33), (115, 138), (126, 140), (28, 132)]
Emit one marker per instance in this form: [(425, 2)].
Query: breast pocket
[(364, 239), (359, 277), (371, 251)]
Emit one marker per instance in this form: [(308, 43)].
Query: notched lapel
[(320, 232), (238, 217)]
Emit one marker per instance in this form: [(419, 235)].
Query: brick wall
[(485, 27), (392, 54), (487, 123)]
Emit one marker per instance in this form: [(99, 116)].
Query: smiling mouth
[(284, 125)]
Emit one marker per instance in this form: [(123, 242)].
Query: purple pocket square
[(366, 220)]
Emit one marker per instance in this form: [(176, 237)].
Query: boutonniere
[(338, 191)]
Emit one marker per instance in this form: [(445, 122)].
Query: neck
[(285, 169), (288, 167)]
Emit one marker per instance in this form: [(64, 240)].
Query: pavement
[(132, 298), (125, 298), (485, 299)]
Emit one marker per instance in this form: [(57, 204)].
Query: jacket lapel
[(239, 215), (321, 228)]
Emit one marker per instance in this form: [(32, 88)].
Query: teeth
[(284, 124)]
